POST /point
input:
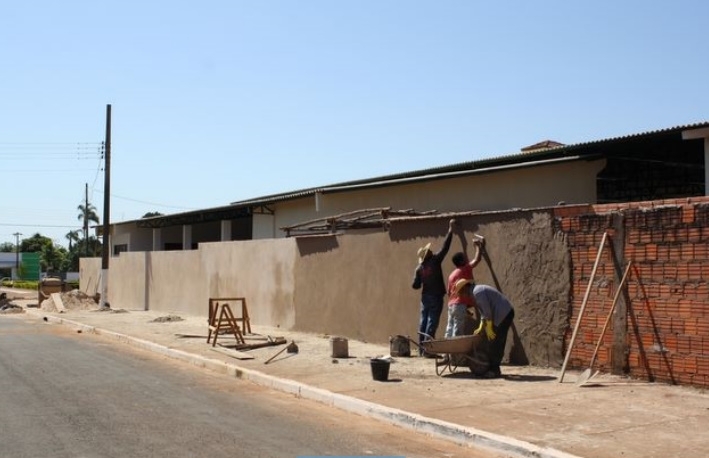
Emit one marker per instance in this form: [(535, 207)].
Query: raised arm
[(479, 246), (447, 242)]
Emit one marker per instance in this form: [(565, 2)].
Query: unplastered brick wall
[(659, 329)]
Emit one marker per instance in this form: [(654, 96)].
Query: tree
[(87, 214), (7, 247), (151, 214), (73, 237), (51, 258)]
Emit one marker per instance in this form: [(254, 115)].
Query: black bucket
[(399, 346), (380, 369)]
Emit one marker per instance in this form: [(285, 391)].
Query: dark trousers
[(497, 346), (431, 308)]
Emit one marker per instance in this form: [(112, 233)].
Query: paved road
[(66, 394)]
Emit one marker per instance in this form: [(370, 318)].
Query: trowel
[(585, 377)]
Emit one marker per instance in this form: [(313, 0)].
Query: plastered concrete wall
[(260, 270), (361, 284), (175, 281), (89, 275), (183, 281)]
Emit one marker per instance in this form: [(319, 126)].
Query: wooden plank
[(57, 298), (233, 353), (583, 306), (273, 341)]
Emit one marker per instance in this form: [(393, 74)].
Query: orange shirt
[(465, 272)]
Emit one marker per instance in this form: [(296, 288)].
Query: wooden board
[(233, 353), (57, 298)]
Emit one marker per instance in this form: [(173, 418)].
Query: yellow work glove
[(489, 331), (480, 328)]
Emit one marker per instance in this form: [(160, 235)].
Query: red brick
[(690, 327), (663, 252), (703, 364), (651, 251), (633, 236), (698, 307), (687, 251), (670, 272), (675, 251), (695, 270), (672, 309), (683, 345), (694, 234), (685, 311), (657, 235), (688, 214), (670, 342)]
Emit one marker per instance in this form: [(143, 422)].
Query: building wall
[(137, 239), (359, 285), (660, 327), (260, 270), (571, 182)]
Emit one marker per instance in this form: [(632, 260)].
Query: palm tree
[(73, 237), (87, 213)]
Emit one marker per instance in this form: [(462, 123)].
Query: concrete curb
[(462, 435)]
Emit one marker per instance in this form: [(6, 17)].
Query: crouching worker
[(496, 316)]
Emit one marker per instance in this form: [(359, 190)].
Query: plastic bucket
[(399, 346), (380, 369), (338, 346)]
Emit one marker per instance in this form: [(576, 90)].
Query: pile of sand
[(167, 319), (72, 300)]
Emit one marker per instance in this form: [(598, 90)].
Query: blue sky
[(219, 101)]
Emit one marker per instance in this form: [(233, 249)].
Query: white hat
[(423, 250)]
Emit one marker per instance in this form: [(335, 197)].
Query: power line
[(54, 150), (147, 203)]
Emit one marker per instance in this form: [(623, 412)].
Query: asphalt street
[(71, 394)]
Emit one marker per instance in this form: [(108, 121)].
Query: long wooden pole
[(106, 239), (583, 306), (610, 313)]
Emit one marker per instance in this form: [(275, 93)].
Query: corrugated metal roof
[(518, 159), (471, 166)]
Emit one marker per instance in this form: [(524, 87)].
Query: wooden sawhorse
[(221, 319)]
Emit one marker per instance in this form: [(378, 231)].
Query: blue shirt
[(491, 303)]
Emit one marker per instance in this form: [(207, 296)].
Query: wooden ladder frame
[(221, 319)]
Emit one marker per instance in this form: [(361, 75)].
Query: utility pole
[(86, 219), (17, 253), (106, 245)]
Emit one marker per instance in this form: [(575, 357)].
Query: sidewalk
[(526, 413)]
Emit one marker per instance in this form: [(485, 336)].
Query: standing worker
[(428, 277), (496, 316), (458, 304)]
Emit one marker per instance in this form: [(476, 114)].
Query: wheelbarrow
[(454, 352)]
